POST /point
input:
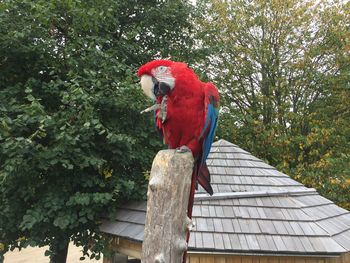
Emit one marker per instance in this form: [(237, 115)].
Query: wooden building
[(257, 215)]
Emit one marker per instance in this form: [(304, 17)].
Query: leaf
[(61, 222)]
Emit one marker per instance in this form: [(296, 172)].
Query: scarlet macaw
[(186, 113)]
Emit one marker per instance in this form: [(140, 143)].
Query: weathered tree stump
[(166, 219)]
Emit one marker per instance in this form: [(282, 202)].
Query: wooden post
[(166, 218)]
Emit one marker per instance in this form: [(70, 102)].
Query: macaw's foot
[(183, 149)]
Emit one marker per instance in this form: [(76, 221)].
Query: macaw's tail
[(190, 206), (202, 176)]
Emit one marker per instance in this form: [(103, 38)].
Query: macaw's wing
[(208, 133), (211, 117)]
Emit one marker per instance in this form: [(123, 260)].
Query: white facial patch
[(147, 86), (163, 74)]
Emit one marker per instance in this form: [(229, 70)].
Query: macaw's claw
[(163, 109), (183, 149), (152, 108)]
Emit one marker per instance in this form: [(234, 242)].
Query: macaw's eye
[(162, 69)]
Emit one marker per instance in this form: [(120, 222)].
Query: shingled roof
[(255, 210)]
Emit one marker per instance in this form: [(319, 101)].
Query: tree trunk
[(166, 219), (60, 255)]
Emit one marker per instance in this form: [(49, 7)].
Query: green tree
[(72, 141), (282, 70), (326, 150)]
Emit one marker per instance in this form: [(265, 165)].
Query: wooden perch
[(166, 218)]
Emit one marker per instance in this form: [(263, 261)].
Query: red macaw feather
[(192, 112)]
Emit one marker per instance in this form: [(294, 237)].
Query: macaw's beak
[(160, 88)]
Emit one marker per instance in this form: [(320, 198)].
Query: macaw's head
[(159, 77)]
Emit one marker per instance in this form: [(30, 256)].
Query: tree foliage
[(72, 141), (282, 67)]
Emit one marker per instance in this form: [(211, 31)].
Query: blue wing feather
[(155, 120), (209, 130)]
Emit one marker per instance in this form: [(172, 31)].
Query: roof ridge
[(239, 159), (245, 166), (318, 223), (263, 234), (233, 195), (270, 219)]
